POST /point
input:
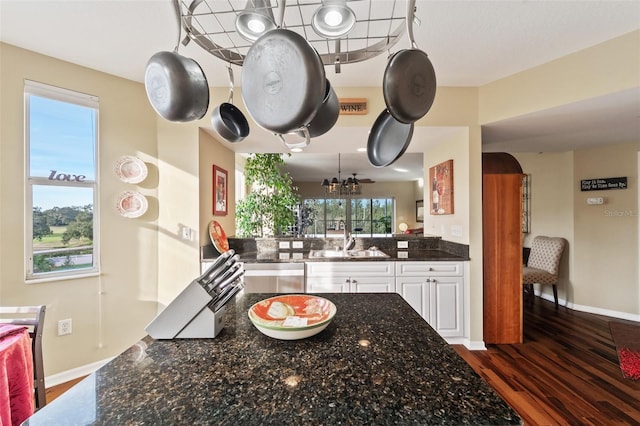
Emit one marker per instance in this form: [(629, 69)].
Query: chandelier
[(337, 186), (341, 31)]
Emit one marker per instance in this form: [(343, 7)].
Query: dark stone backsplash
[(270, 246)]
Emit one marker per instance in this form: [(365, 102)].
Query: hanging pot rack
[(379, 25)]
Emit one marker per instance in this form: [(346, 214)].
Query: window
[(61, 139), (360, 216)]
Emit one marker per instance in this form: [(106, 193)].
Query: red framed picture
[(220, 191), (441, 180)]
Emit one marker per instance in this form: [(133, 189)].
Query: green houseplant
[(268, 208)]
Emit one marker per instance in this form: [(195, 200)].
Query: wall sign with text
[(602, 184)]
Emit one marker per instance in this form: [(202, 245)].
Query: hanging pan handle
[(411, 11), (230, 83), (281, 6)]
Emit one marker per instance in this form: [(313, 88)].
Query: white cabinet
[(436, 291), (350, 277)]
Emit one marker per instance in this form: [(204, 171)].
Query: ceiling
[(470, 43)]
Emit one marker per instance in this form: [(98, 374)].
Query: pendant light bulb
[(255, 20), (333, 20)]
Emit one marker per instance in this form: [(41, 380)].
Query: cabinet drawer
[(348, 269), (433, 269)]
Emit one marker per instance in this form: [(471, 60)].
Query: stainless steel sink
[(360, 254)]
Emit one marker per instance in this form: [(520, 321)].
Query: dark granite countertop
[(378, 362), (301, 256)]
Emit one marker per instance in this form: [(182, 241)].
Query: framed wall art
[(220, 191), (441, 188), (420, 211)]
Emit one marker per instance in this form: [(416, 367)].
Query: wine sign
[(602, 184)]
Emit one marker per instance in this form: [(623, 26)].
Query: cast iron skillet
[(228, 120), (326, 116), (388, 140), (409, 83), (283, 80)]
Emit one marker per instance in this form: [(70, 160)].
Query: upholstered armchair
[(543, 264)]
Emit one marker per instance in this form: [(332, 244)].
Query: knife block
[(188, 316)]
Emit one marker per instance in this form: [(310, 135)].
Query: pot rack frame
[(211, 24)]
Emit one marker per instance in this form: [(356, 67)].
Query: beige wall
[(606, 68), (144, 261), (606, 236), (109, 312), (212, 152), (186, 155), (599, 271), (551, 195)]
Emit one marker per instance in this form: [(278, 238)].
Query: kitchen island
[(378, 362)]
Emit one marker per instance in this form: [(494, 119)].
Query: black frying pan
[(409, 83), (388, 140), (283, 80), (228, 120)]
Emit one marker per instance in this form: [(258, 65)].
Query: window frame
[(348, 214), (33, 88)]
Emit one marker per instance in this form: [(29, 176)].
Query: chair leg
[(528, 293), (555, 294)]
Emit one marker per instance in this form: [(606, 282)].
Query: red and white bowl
[(292, 316)]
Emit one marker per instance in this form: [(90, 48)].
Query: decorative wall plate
[(218, 237), (130, 169), (131, 204)]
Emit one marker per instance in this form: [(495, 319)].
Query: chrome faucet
[(348, 241)]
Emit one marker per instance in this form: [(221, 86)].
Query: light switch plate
[(297, 244), (283, 256), (403, 255), (593, 201), (297, 256), (284, 244), (403, 244)]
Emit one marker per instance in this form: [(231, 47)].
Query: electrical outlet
[(64, 327)]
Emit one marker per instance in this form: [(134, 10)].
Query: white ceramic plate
[(132, 204), (292, 316), (130, 169)]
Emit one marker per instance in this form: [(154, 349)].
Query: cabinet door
[(416, 292), (328, 284), (447, 306), (373, 285)]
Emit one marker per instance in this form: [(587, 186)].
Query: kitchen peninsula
[(378, 362)]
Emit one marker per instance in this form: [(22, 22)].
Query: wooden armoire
[(502, 248)]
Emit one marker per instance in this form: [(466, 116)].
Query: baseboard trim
[(74, 373), (591, 309), (475, 345)]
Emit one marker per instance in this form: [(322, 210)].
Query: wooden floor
[(565, 373), (55, 391)]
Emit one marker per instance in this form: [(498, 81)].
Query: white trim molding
[(74, 373)]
